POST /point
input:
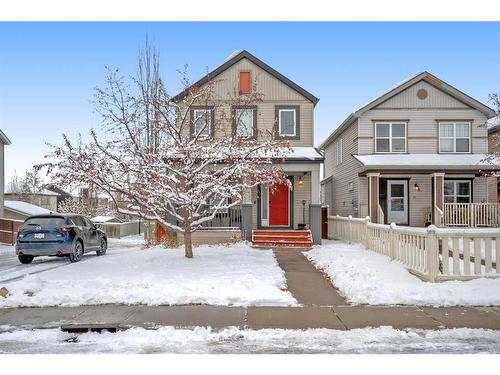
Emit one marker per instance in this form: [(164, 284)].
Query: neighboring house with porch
[(4, 141), (494, 148), (413, 156), (289, 108)]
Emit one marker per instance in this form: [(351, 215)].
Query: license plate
[(39, 236)]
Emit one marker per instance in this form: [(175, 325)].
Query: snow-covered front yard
[(234, 340), (366, 277), (129, 274)]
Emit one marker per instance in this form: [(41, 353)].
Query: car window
[(78, 221), (88, 222), (44, 221)]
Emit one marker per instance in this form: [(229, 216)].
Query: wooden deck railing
[(472, 214), (431, 253)]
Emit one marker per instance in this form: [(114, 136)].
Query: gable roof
[(422, 76), (4, 139), (240, 55), (24, 208)]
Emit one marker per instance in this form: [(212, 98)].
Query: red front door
[(278, 205)]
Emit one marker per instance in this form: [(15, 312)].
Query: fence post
[(349, 229), (431, 253), (392, 241), (367, 240)]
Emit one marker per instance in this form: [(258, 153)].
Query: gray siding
[(344, 201), (435, 98), (422, 128)]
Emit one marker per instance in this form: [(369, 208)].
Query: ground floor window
[(457, 191)]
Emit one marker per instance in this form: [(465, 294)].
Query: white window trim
[(209, 126), (294, 122), (390, 137), (454, 123), (455, 195)]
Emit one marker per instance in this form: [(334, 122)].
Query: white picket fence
[(432, 254)]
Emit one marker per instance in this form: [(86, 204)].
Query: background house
[(44, 198), (18, 210), (3, 142), (412, 156)]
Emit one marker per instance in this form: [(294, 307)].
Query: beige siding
[(211, 237), (420, 202), (435, 98), (480, 190), (422, 128), (345, 200), (492, 186), (327, 195), (274, 93)]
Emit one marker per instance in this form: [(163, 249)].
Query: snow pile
[(234, 340), (7, 249), (218, 275), (366, 277)]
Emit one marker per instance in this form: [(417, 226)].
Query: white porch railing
[(432, 254), (472, 214)]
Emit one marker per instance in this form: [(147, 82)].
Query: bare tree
[(83, 206), (164, 162), (28, 184)]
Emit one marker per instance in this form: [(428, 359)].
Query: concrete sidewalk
[(336, 317)]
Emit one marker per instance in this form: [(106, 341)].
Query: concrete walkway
[(323, 307), (307, 284), (336, 317)]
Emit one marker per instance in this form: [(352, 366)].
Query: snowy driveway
[(129, 274)]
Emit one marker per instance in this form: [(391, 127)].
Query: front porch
[(421, 199)]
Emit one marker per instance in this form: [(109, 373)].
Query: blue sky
[(48, 70)]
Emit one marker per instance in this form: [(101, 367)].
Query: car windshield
[(45, 221)]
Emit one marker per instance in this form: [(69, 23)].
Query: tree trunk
[(188, 245)]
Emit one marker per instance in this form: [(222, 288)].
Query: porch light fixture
[(416, 188), (301, 181)]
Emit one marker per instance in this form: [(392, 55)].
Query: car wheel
[(25, 259), (102, 248), (77, 253)]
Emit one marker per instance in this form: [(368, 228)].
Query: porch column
[(246, 214), (373, 193), (438, 199), (315, 207)]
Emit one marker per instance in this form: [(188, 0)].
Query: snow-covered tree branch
[(174, 160)]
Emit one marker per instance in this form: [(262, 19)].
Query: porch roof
[(441, 162)]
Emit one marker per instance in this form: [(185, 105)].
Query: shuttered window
[(244, 82)]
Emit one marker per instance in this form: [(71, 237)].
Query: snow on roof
[(102, 219), (25, 208), (426, 161), (493, 124), (42, 192), (310, 153)]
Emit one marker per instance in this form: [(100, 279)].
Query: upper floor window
[(245, 120), (390, 137), (202, 122), (244, 82), (288, 121), (454, 137)]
